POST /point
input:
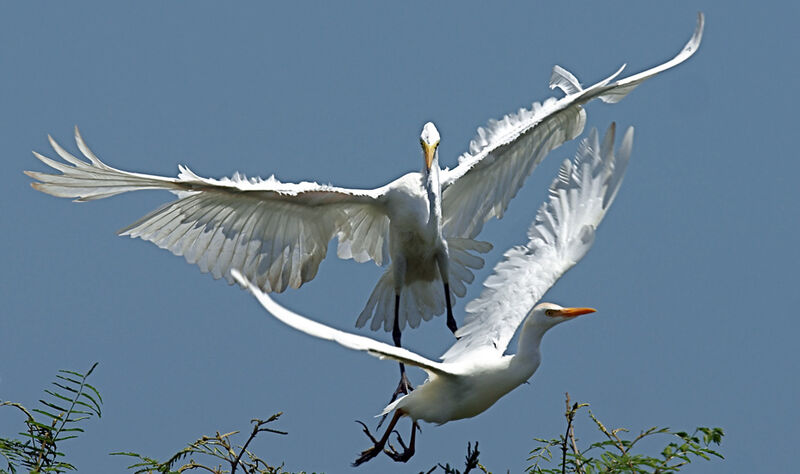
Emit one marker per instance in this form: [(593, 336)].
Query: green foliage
[(70, 401), (212, 449), (614, 453)]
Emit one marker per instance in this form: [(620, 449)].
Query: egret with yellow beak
[(276, 234), (475, 372)]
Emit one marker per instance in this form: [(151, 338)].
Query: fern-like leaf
[(71, 402)]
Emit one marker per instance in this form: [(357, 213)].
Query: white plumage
[(277, 233), (475, 373)]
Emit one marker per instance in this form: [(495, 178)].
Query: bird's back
[(454, 397)]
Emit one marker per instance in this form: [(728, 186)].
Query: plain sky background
[(694, 270)]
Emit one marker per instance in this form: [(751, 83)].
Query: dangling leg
[(404, 386), (376, 449), (451, 321), (443, 259), (407, 451)]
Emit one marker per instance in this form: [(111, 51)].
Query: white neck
[(528, 355), (430, 179)]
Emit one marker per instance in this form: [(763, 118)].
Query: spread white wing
[(505, 153), (559, 237), (346, 339), (275, 233)]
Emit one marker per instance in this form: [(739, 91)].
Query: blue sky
[(693, 271)]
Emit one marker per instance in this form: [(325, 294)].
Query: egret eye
[(549, 312)]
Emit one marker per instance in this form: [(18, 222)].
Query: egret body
[(475, 372)]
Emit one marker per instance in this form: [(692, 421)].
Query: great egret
[(474, 373), (276, 234)]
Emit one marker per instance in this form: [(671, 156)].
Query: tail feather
[(422, 300), (390, 407)]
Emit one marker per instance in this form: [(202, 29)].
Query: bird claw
[(397, 456), (451, 324), (370, 453), (367, 454), (366, 431), (403, 387)]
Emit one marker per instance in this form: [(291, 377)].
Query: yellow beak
[(430, 152)]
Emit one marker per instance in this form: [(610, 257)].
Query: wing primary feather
[(560, 235), (283, 250), (564, 80), (505, 152), (621, 163), (351, 341)]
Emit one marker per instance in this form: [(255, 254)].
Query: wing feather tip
[(241, 279)]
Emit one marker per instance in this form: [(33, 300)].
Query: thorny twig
[(570, 434), (612, 435), (258, 427), (471, 462)]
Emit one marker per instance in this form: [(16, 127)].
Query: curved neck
[(530, 338)]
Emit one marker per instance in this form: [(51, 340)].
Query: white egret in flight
[(276, 234), (475, 373)]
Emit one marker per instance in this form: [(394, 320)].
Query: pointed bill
[(572, 312), (430, 152)]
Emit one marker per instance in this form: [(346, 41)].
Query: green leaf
[(96, 393), (76, 382), (72, 429), (50, 415), (94, 406), (91, 369), (54, 406), (39, 425), (62, 387), (58, 395)]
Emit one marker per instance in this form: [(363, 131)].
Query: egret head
[(541, 319), (550, 314), (429, 139)]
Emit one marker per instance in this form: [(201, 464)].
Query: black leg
[(451, 321), (404, 386), (396, 334), (376, 449), (408, 451)]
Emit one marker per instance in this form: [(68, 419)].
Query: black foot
[(403, 388), (451, 323), (370, 453), (407, 451)]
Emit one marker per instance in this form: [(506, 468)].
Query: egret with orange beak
[(475, 372), (276, 234)]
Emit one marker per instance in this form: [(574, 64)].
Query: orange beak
[(430, 151), (572, 312)]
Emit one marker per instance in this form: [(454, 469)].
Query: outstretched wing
[(275, 233), (505, 153), (559, 237), (346, 339)]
